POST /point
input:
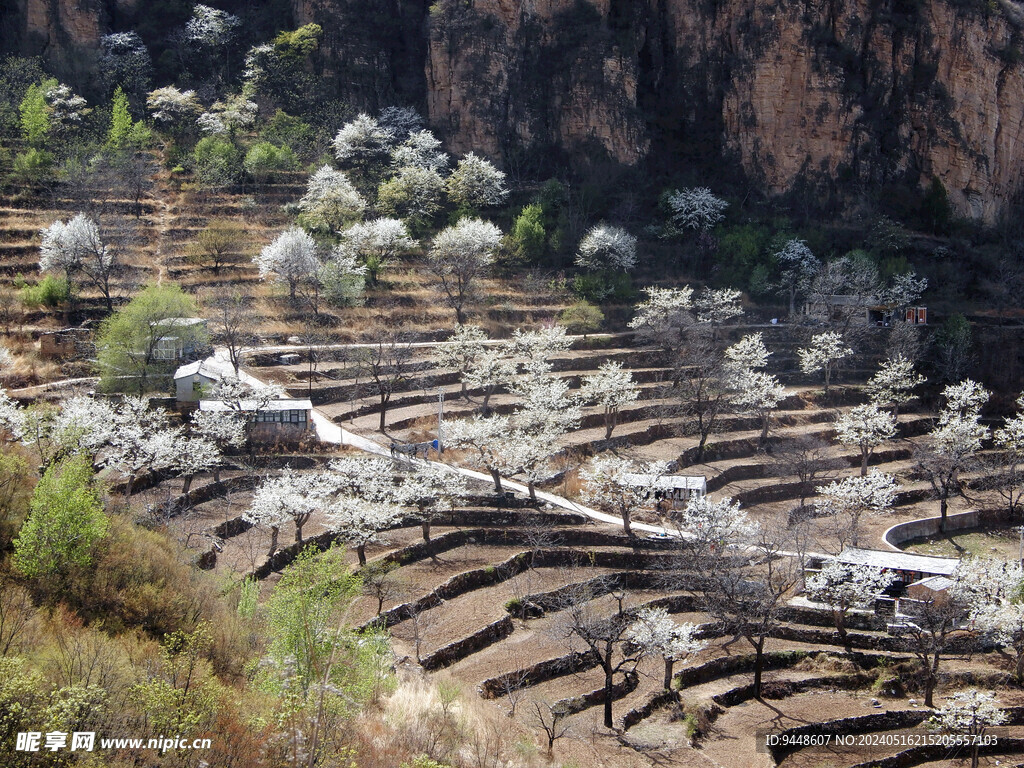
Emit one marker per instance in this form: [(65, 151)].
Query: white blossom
[(66, 106), (894, 382), (865, 427), (607, 247), (710, 525), (459, 256), (847, 500), (292, 258), (70, 245), (211, 26), (749, 352), (362, 140), (377, 242), (608, 485), (696, 209), (359, 521), (171, 106), (476, 183), (414, 193), (903, 290), (610, 388), (716, 305), (330, 199), (842, 586), (969, 712), (421, 150), (656, 632), (825, 350), (963, 399)]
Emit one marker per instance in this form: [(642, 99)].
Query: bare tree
[(700, 392), (381, 582), (809, 459), (549, 721), (234, 322), (606, 637), (931, 626), (385, 362)]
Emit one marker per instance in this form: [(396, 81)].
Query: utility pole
[(440, 421)]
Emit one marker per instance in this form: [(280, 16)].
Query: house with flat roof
[(284, 420), (676, 490), (908, 567), (193, 379)]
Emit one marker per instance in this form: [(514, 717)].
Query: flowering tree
[(656, 633), (359, 521), (758, 394), (992, 591), (665, 317), (228, 116), (125, 62), (610, 388), (605, 247), (330, 200), (1008, 475), (798, 266), (476, 183), (952, 447), (489, 371), (363, 142), (826, 349), (608, 485), (75, 246), (376, 244), (414, 194), (847, 500), (224, 429), (195, 454), (697, 209), (173, 109), (433, 490), (461, 350), (749, 352), (969, 712), (706, 525), (894, 383), (459, 256), (420, 150), (487, 440), (291, 258), (842, 587), (717, 305), (865, 427), (141, 438), (292, 497)]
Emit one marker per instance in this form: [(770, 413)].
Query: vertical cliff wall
[(820, 95)]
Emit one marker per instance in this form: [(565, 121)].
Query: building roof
[(211, 369), (900, 561), (283, 404), (180, 322), (658, 482), (934, 583)]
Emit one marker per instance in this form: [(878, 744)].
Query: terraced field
[(456, 612)]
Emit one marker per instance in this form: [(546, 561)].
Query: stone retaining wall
[(460, 649), (535, 674), (901, 533)]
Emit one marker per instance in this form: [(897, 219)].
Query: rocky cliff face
[(815, 95)]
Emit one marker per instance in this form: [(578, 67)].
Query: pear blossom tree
[(75, 246), (195, 455), (611, 388), (706, 524), (490, 371), (330, 200), (656, 633), (1007, 477), (371, 478), (291, 259), (529, 453), (843, 587), (363, 142), (421, 150), (992, 591), (292, 497), (606, 247), (486, 440), (758, 394), (433, 490), (377, 244), (797, 267), (461, 351), (665, 318), (952, 447), (865, 427), (475, 183), (696, 208), (359, 521), (459, 256), (224, 429), (749, 352), (173, 109), (141, 438), (715, 306), (415, 194), (823, 353), (609, 485), (894, 383), (849, 499), (970, 713)]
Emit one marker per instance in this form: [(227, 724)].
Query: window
[(166, 349)]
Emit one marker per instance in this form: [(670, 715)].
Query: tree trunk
[(609, 685), (700, 447), (533, 491), (943, 509), (828, 378), (274, 530), (626, 527), (929, 682), (187, 485), (758, 667), (298, 532), (425, 527), (1019, 668), (496, 476), (609, 423), (465, 392), (864, 454), (128, 485), (765, 424), (361, 554), (839, 620), (668, 674), (383, 413)]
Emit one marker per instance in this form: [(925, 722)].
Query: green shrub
[(264, 159), (50, 292), (217, 161), (582, 317), (33, 166)]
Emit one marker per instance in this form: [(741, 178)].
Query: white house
[(284, 420), (908, 567), (678, 489), (192, 379)]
